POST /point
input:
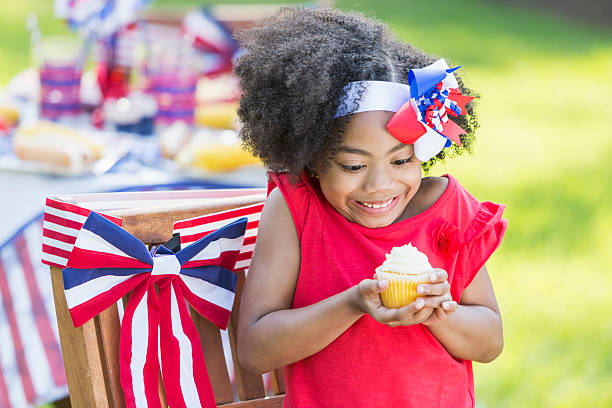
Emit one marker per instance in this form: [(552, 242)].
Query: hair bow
[(434, 94), (421, 107), (107, 262)]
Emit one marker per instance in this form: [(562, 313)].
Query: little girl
[(344, 117)]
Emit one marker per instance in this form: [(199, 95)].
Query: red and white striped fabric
[(62, 222), (195, 228), (31, 366)]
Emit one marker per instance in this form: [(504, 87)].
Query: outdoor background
[(544, 150)]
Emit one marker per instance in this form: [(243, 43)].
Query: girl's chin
[(375, 225), (376, 221)]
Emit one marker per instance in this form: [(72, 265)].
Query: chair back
[(91, 352)]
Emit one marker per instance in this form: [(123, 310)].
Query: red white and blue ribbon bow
[(421, 108), (435, 94), (107, 262)]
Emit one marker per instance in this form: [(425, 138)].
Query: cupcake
[(404, 268)]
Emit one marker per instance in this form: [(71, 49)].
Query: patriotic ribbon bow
[(107, 262), (434, 95)]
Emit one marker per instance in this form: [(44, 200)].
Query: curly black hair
[(292, 74)]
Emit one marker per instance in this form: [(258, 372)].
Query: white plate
[(115, 148)]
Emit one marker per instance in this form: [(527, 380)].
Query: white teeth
[(377, 205)]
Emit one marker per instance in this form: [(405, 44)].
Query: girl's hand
[(433, 295), (368, 301), (441, 313), (438, 286)]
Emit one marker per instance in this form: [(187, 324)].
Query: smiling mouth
[(376, 204)]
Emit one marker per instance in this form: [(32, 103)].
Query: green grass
[(543, 149), (558, 352), (14, 39)]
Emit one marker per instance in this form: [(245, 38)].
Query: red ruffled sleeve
[(482, 237), (297, 194)]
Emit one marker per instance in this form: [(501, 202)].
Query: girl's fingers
[(434, 301), (423, 314), (440, 314), (438, 275), (414, 312), (372, 286), (417, 312), (445, 309), (386, 316), (449, 306), (433, 289)]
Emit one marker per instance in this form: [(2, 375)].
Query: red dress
[(370, 364)]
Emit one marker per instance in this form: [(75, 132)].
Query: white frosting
[(405, 259)]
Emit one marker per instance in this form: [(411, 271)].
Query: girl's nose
[(378, 179)]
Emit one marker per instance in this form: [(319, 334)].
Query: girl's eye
[(402, 162), (352, 168)]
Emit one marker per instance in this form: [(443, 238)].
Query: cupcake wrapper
[(402, 289)]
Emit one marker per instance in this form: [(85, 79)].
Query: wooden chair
[(91, 352)]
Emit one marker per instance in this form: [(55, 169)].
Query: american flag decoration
[(191, 230), (107, 262), (31, 366)]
